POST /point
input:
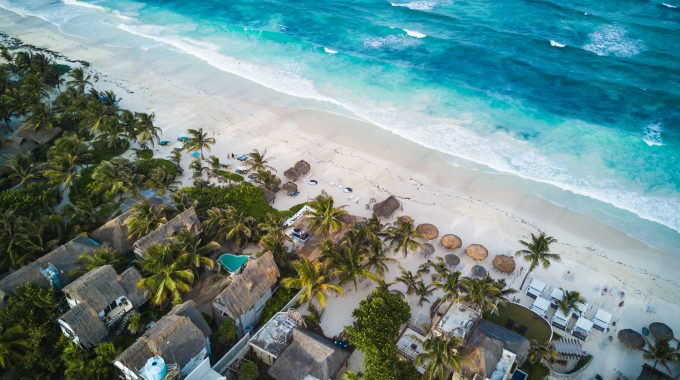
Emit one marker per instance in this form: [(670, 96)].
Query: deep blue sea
[(582, 95)]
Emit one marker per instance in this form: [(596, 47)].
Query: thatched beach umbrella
[(292, 174), (661, 331), (451, 241), (476, 251), (503, 263), (631, 339), (269, 195), (478, 271), (429, 231), (452, 259), (427, 249), (387, 207), (405, 219), (290, 188), (302, 167)]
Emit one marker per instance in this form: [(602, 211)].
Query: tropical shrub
[(28, 201)]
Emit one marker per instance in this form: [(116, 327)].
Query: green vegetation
[(377, 321), (80, 364), (536, 371), (223, 337), (248, 371), (279, 299), (230, 177), (29, 200), (537, 327), (101, 152)]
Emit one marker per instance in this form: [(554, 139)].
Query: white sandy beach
[(478, 205)]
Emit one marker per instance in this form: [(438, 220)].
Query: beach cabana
[(535, 288), (452, 259), (476, 252), (560, 319), (405, 219), (582, 328), (387, 207), (661, 331), (503, 263), (556, 296), (427, 249), (292, 174), (302, 167), (540, 306), (580, 309), (451, 241), (602, 319), (290, 188), (478, 271), (631, 339), (429, 231)]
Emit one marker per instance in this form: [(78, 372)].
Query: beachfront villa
[(458, 321), (185, 220), (177, 345), (244, 299), (98, 300), (410, 345)]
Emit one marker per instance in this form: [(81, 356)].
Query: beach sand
[(476, 204)]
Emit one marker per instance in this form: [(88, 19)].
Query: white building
[(458, 320)]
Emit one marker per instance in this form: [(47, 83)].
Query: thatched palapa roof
[(503, 263), (174, 337), (84, 321), (405, 219), (478, 271), (385, 208), (451, 241), (661, 331), (269, 195), (128, 280), (486, 343), (452, 259), (427, 249), (39, 136), (429, 231), (308, 355), (476, 251), (290, 187), (115, 233), (631, 339), (243, 292), (64, 258), (101, 286), (302, 167), (185, 220), (292, 174), (312, 249)]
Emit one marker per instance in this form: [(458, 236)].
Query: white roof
[(602, 318), (557, 294), (560, 316), (541, 303), (584, 324), (581, 308), (537, 284)]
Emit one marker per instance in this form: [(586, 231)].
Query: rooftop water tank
[(154, 369)]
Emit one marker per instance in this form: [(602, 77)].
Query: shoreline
[(375, 162)]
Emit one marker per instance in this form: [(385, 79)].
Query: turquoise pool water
[(232, 263)]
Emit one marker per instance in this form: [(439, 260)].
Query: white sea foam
[(556, 44), (394, 42), (417, 5), (330, 51), (84, 4), (612, 40), (414, 33), (653, 134), (23, 12), (668, 5)]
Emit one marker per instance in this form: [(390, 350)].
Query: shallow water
[(582, 96)]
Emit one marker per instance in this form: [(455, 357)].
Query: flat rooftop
[(458, 320), (275, 335)]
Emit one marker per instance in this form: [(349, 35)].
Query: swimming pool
[(232, 263)]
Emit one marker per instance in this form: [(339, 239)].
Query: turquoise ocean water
[(581, 95)]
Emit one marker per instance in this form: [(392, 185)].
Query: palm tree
[(104, 255), (450, 284), (440, 355), (324, 216), (539, 352), (146, 132), (571, 300), (214, 166), (115, 177), (349, 264), (20, 169), (197, 168), (661, 352), (402, 237), (79, 80), (257, 161), (42, 116), (273, 225), (409, 279), (240, 228), (268, 180), (192, 249), (135, 323), (537, 252), (13, 345), (144, 219), (313, 279), (440, 268), (167, 276), (484, 293), (377, 259), (198, 140), (423, 292)]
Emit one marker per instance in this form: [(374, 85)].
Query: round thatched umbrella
[(452, 259), (302, 167), (427, 249), (385, 208), (661, 331), (429, 231), (476, 251), (290, 187), (405, 219), (451, 241), (503, 263), (292, 174), (478, 271), (631, 339)]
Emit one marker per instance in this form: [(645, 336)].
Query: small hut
[(503, 263), (476, 252), (292, 174), (429, 231), (387, 207), (631, 339), (427, 249), (405, 219), (478, 271), (452, 260), (661, 331), (290, 187), (302, 167), (451, 241)]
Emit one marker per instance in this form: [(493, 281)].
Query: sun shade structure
[(290, 188), (405, 219), (292, 174), (427, 249), (631, 339), (302, 167), (452, 259), (582, 328), (503, 263), (661, 331), (602, 320), (535, 288), (476, 252), (451, 241), (429, 231), (387, 207), (540, 306), (478, 271)]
